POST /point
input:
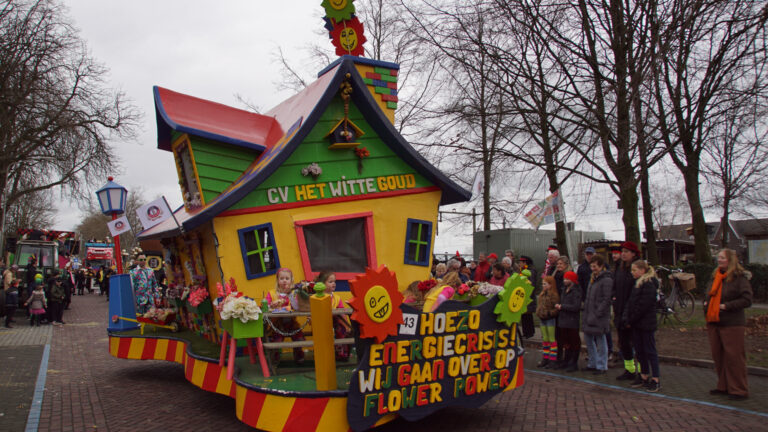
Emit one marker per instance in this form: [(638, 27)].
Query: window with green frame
[(418, 242), (257, 243)]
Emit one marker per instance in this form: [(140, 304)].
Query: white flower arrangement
[(489, 290), (312, 169), (243, 308)]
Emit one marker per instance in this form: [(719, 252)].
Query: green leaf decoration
[(513, 299), (339, 9)]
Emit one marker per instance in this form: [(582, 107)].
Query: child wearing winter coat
[(37, 302), (639, 316), (568, 322), (546, 311)]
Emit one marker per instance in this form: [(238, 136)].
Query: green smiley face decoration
[(339, 9), (513, 299)]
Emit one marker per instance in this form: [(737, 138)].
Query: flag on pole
[(153, 213), (478, 185), (118, 226), (546, 211)]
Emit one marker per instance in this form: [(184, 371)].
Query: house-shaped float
[(254, 202)]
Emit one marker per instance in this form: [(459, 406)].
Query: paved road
[(88, 390)]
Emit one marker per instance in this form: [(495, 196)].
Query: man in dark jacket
[(596, 320), (623, 282), (583, 272)]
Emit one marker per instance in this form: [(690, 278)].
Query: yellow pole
[(321, 307)]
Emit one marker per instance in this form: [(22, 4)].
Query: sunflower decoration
[(514, 299), (376, 303), (348, 37), (339, 9)]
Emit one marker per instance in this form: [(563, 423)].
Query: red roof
[(212, 120)]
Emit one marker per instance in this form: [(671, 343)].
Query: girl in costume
[(284, 327), (342, 328), (37, 301), (546, 311)]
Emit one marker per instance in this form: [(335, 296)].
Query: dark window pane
[(337, 246), (412, 252), (250, 241), (254, 263)]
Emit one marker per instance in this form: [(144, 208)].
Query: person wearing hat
[(482, 269), (615, 249), (583, 272), (623, 282), (568, 321), (492, 260)]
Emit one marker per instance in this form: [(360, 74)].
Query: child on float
[(546, 311), (432, 299), (37, 302), (278, 301), (640, 317), (342, 328)]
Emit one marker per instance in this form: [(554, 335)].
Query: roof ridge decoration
[(345, 30)]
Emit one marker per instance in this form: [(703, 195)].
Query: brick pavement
[(18, 375), (87, 389)]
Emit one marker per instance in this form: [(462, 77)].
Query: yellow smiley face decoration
[(347, 36), (517, 299), (376, 303), (338, 4), (513, 299), (348, 39)]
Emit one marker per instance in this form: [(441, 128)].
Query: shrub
[(759, 281)]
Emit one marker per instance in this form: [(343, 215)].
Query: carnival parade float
[(322, 184)]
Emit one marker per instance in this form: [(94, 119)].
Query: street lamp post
[(112, 198)]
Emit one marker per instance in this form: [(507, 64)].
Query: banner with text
[(547, 211)]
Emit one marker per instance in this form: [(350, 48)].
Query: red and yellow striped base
[(281, 413)]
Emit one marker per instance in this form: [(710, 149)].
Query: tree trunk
[(702, 253), (726, 232), (629, 201), (650, 231)]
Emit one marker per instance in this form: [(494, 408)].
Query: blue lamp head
[(112, 198)]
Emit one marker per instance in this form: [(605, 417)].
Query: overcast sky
[(216, 51), (205, 49)]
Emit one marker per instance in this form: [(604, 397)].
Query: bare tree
[(737, 158), (713, 60), (598, 57), (56, 116), (94, 224), (36, 210)]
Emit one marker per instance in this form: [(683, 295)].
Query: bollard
[(322, 332)]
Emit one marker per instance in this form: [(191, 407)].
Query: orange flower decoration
[(376, 303)]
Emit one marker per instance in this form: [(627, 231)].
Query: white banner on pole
[(153, 213), (119, 226)]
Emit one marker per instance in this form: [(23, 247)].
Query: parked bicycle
[(680, 302)]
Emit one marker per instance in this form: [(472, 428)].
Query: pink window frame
[(370, 243)]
